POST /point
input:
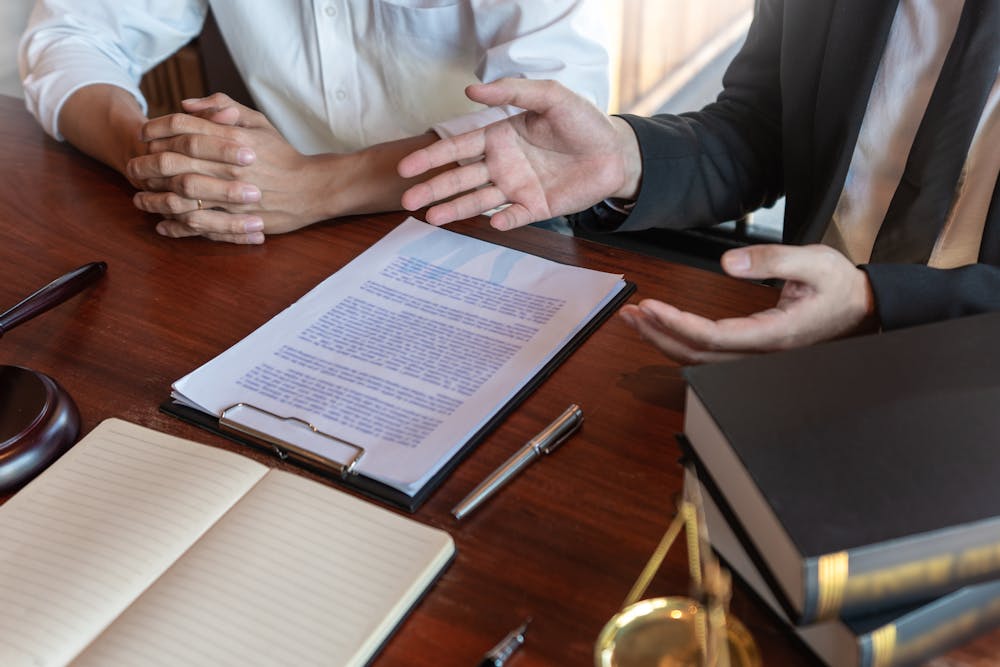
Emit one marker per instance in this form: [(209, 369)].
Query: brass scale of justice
[(679, 631)]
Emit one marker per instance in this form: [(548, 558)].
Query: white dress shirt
[(331, 75)]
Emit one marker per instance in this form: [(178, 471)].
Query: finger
[(167, 165), (158, 165), (166, 203), (210, 102), (466, 206), (204, 147), (447, 184), (764, 331), (515, 215), (677, 349), (227, 116), (207, 222), (446, 151), (807, 264), (239, 239), (533, 95), (213, 192), (220, 108), (176, 124), (174, 229)]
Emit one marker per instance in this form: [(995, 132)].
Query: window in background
[(13, 21), (662, 45), (668, 56)]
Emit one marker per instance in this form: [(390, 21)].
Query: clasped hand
[(222, 171)]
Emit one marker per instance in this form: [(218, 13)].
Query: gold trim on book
[(883, 646), (832, 570)]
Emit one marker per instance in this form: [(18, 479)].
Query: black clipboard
[(342, 472)]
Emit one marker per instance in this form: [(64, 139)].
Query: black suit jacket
[(786, 124)]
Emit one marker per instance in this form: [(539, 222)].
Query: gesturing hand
[(824, 297), (560, 156), (221, 170)]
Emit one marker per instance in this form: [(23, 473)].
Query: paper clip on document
[(316, 447)]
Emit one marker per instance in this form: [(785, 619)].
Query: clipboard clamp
[(283, 447)]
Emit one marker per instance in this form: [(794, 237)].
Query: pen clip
[(560, 430)]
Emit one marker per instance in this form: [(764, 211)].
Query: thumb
[(758, 262), (225, 116), (220, 108), (538, 96)]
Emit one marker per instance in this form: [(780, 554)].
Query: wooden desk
[(562, 543)]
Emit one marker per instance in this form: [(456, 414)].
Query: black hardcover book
[(864, 470), (906, 635)]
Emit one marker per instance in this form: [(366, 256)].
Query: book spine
[(932, 629), (862, 581)]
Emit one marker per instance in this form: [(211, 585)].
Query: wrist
[(105, 122), (631, 160), (328, 191), (366, 181), (868, 320)]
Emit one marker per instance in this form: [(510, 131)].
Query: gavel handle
[(51, 295)]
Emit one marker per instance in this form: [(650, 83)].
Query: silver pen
[(502, 651), (544, 443)]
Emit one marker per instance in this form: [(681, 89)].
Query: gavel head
[(38, 422)]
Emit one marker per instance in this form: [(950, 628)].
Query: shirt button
[(341, 95), (330, 10)]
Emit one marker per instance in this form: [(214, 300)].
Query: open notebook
[(141, 548)]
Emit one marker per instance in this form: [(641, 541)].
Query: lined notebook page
[(82, 540), (296, 574)]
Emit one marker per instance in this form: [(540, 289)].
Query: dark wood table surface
[(563, 543)]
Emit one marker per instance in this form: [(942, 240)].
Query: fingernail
[(256, 239), (738, 260), (628, 317), (245, 156), (253, 225), (251, 195)]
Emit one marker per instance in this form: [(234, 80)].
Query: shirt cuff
[(473, 121), (48, 87)]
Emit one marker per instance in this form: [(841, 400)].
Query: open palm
[(560, 156)]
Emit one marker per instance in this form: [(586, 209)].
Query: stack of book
[(853, 486)]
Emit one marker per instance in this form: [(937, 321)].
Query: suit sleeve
[(719, 163), (910, 294)]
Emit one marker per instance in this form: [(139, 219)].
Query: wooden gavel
[(38, 418)]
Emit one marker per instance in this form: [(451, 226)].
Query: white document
[(407, 351)]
